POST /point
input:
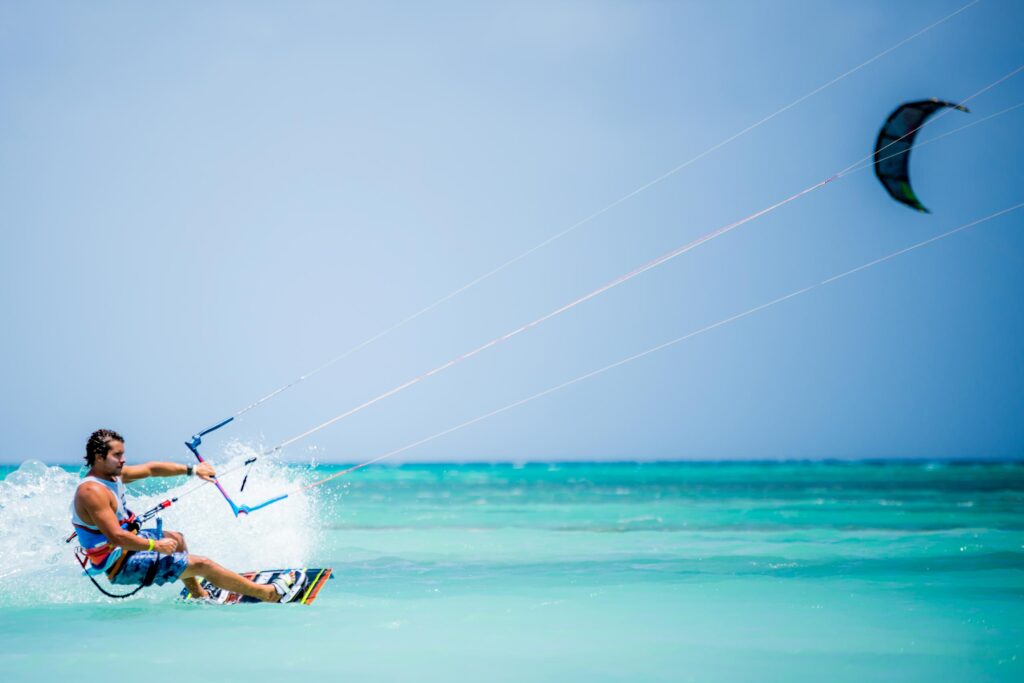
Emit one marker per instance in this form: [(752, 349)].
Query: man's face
[(113, 463)]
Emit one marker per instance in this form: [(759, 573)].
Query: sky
[(200, 202)]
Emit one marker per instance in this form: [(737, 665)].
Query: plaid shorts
[(138, 565)]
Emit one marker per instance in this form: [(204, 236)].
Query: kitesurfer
[(114, 544)]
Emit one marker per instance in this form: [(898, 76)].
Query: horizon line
[(957, 460)]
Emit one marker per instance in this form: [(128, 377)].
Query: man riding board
[(114, 544)]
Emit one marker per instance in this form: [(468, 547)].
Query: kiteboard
[(307, 586)]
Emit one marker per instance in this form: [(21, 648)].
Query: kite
[(895, 140)]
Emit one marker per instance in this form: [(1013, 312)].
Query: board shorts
[(136, 568)]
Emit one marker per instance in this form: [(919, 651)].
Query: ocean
[(808, 571)]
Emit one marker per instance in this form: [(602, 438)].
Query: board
[(310, 579)]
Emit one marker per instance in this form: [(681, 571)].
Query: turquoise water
[(597, 572)]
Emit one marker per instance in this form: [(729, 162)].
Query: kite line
[(647, 352), (857, 166), (584, 221), (664, 258)]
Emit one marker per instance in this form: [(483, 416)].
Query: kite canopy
[(895, 140)]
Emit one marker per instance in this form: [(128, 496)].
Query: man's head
[(105, 451)]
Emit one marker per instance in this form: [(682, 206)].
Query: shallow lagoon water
[(606, 572)]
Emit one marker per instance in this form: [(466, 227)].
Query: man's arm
[(96, 502), (130, 473)]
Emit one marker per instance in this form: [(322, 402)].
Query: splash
[(34, 522), (36, 565)]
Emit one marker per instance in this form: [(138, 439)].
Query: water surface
[(605, 572)]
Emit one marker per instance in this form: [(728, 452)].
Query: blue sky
[(202, 201)]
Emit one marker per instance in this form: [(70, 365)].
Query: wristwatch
[(189, 470)]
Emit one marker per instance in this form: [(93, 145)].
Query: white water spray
[(37, 566)]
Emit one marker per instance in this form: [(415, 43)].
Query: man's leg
[(192, 583), (227, 579)]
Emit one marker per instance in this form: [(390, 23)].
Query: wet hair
[(98, 445)]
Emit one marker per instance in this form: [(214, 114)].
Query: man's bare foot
[(195, 589)]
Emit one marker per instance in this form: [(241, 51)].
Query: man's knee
[(200, 563)]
